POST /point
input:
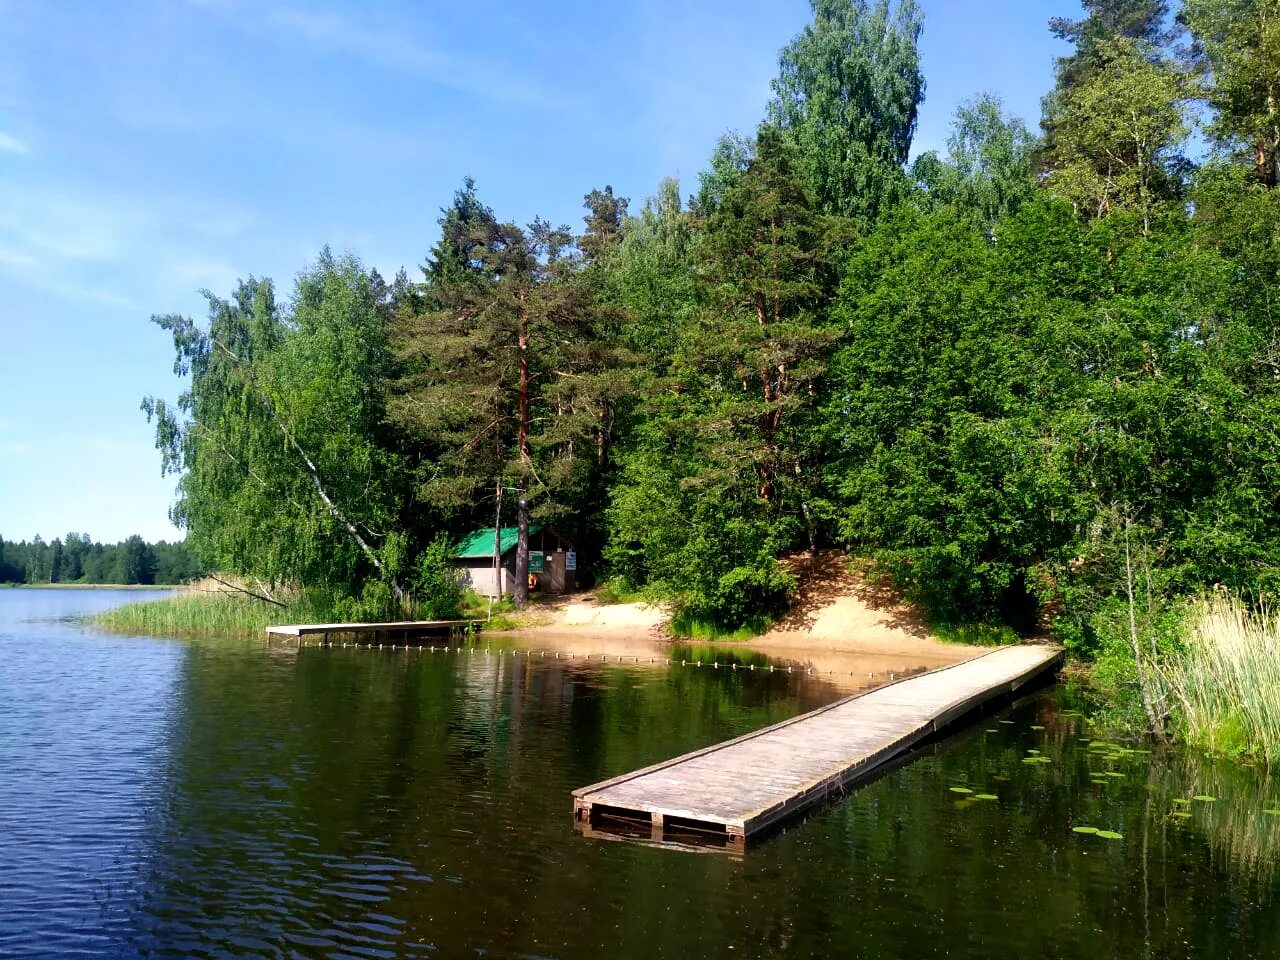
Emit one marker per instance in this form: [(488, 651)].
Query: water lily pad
[(1084, 829), (1114, 773), (1036, 726), (1186, 814), (1205, 798), (1181, 800), (990, 796), (1101, 783), (1110, 835), (1033, 752), (991, 730), (1272, 813), (960, 790), (1006, 722)]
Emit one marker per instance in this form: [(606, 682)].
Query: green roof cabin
[(553, 564)]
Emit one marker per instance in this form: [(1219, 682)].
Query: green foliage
[(216, 615), (284, 474), (1119, 133), (847, 94), (1140, 21), (1223, 679), (1237, 47), (696, 533), (976, 634), (694, 628), (943, 466), (1038, 382), (437, 587), (988, 170), (651, 279), (374, 603), (618, 590)]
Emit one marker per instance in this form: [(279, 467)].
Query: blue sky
[(151, 148)]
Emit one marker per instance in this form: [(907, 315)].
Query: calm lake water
[(169, 799)]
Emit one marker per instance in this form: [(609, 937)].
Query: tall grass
[(1222, 689), (697, 628), (213, 614), (976, 634)]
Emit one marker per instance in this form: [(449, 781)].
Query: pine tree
[(1237, 47), (1115, 122), (504, 376), (462, 229), (604, 222)]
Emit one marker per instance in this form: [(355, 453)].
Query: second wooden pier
[(743, 786), (402, 630)]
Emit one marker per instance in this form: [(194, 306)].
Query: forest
[(79, 559), (1033, 378)]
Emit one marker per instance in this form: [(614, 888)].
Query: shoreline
[(92, 586)]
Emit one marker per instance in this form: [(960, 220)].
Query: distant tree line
[(1033, 375), (78, 559)]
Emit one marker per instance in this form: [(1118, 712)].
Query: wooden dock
[(378, 632), (738, 788)]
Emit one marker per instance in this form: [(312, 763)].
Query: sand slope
[(837, 610)]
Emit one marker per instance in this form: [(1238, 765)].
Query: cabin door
[(555, 572)]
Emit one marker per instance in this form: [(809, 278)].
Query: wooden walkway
[(380, 632), (740, 787)]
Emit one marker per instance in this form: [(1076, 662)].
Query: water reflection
[(166, 799)]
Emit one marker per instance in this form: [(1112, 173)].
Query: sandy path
[(839, 622)]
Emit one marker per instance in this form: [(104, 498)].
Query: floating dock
[(738, 788), (376, 632)]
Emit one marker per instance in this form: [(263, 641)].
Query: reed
[(697, 628), (1222, 689), (212, 614)]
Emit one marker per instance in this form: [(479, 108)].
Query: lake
[(173, 799)]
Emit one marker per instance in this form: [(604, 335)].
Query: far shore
[(91, 586)]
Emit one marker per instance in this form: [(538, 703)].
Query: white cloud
[(11, 144), (87, 247)]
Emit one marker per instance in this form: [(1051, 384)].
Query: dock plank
[(401, 627), (747, 784)]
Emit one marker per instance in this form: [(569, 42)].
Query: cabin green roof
[(480, 543)]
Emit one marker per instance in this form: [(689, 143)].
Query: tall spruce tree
[(462, 230)]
